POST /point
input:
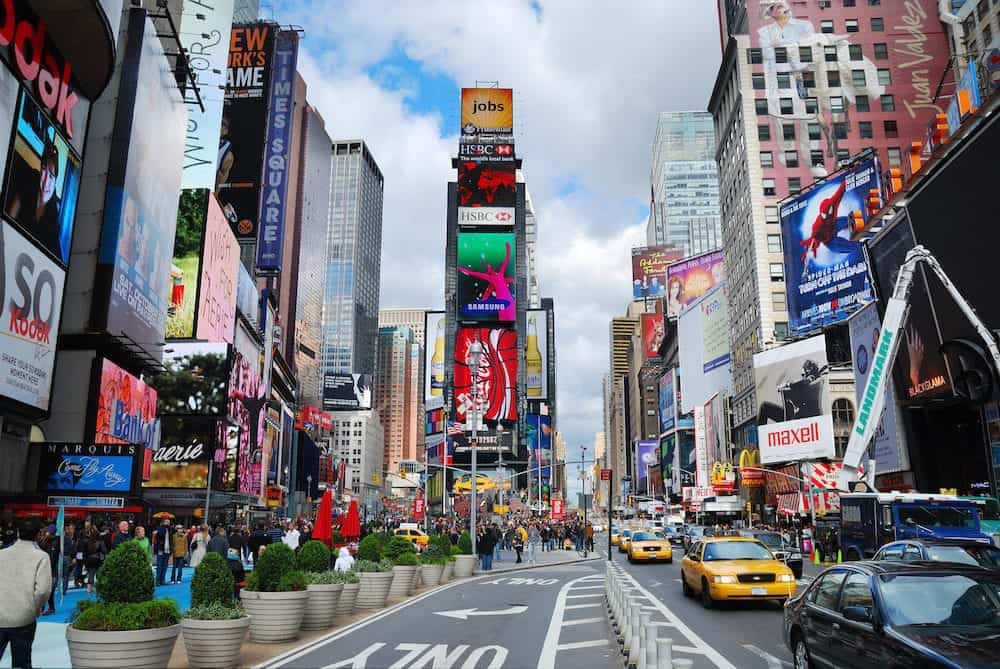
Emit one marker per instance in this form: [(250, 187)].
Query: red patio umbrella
[(323, 530), (351, 527)]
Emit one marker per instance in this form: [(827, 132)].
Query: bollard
[(684, 663), (635, 633), (664, 653), (651, 662)]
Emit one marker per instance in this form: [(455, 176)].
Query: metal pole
[(475, 434), (611, 506), (583, 451), (208, 488)]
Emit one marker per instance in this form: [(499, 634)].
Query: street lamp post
[(475, 355), (583, 453)]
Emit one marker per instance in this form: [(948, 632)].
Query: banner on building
[(187, 446), (487, 115), (536, 355), (486, 152), (92, 468), (667, 406), (487, 441), (486, 194), (703, 343), (538, 435), (195, 379), (434, 355), (794, 419), (646, 455), (486, 276), (689, 279), (652, 334), (347, 392), (649, 269), (496, 385), (124, 410), (246, 411)]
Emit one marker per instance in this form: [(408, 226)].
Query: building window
[(812, 105), (816, 159), (878, 25), (851, 25), (843, 155), (774, 243), (808, 79), (895, 156), (874, 3), (770, 214), (781, 330), (881, 51), (760, 106), (805, 54), (780, 54), (764, 133), (791, 159), (987, 32), (778, 302), (777, 271), (833, 78), (830, 53), (768, 186), (814, 132), (826, 26), (884, 76), (785, 105), (858, 77), (861, 103), (836, 103), (843, 412), (794, 184), (840, 130), (891, 129), (755, 56), (784, 80), (766, 159), (865, 129), (788, 130), (848, 3), (758, 82)]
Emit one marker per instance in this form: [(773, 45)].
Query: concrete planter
[(431, 574), (274, 616), (402, 582), (449, 572), (374, 589), (464, 565), (417, 581), (348, 598), (214, 643), (321, 607), (141, 648)]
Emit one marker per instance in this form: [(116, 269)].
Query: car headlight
[(724, 579), (795, 556), (786, 578)]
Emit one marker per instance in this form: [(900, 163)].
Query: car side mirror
[(858, 614)]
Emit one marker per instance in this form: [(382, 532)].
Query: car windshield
[(769, 539), (646, 536), (938, 516), (736, 550), (941, 599), (627, 533), (984, 556)]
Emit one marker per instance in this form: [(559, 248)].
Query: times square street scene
[(499, 335)]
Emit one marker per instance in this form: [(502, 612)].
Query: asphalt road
[(550, 618)]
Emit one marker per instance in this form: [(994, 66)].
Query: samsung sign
[(495, 216)]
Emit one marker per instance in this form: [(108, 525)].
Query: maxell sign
[(496, 216), (791, 440)]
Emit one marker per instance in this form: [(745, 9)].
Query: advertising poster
[(646, 455), (276, 153), (486, 152), (186, 447), (486, 278), (246, 411), (656, 488), (434, 356), (689, 279), (486, 193), (204, 34), (700, 447), (487, 114), (488, 441), (244, 126), (864, 329), (703, 342), (347, 392), (185, 268), (195, 379), (666, 402), (126, 409), (219, 278), (668, 453), (652, 334), (538, 435), (144, 179), (43, 181), (32, 294), (649, 269), (247, 295), (434, 422), (794, 420), (89, 468), (536, 355), (826, 276), (496, 392)]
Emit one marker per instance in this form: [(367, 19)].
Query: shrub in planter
[(212, 583), (125, 616), (369, 549), (214, 611), (465, 562), (293, 581), (433, 551), (314, 556), (215, 626), (406, 559), (397, 546), (271, 566), (125, 575), (275, 596), (349, 595), (443, 542), (465, 543)]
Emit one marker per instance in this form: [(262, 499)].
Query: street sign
[(605, 474)]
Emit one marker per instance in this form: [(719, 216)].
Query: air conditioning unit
[(823, 4)]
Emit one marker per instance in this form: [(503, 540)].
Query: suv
[(781, 549), (942, 550)]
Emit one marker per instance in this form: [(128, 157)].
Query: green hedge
[(126, 616), (276, 561), (292, 581), (396, 547), (370, 549), (125, 577), (465, 543), (213, 582), (314, 556)]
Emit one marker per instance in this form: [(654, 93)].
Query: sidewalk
[(508, 560)]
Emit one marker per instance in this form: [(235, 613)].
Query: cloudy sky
[(588, 80)]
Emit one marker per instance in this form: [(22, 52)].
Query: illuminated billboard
[(689, 279), (826, 276), (347, 392), (496, 384), (538, 435), (652, 334), (486, 278), (195, 379), (667, 401), (487, 113), (486, 193), (703, 343), (649, 269), (246, 411), (125, 411), (536, 355), (434, 355), (186, 448)]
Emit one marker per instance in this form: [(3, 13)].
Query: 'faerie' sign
[(37, 61)]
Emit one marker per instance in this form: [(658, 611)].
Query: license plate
[(652, 550), (758, 591)]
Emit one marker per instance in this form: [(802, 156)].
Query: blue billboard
[(826, 277), (89, 467), (667, 401)]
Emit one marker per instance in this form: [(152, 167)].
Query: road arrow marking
[(464, 614), (772, 661)]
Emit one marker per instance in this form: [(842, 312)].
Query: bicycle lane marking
[(697, 644), (551, 645)]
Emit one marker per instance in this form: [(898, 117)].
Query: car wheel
[(706, 595), (685, 588), (630, 560), (853, 555), (800, 654)]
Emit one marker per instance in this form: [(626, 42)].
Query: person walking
[(179, 550), (485, 545), (534, 539), (162, 548), (26, 583), (93, 556), (589, 534), (237, 541), (71, 554), (219, 543), (345, 561), (49, 543), (122, 535), (517, 543), (140, 537), (199, 546), (258, 540)]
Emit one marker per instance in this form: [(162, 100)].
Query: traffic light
[(748, 507), (402, 471)]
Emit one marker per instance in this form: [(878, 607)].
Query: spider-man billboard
[(485, 264), (496, 391), (826, 276)]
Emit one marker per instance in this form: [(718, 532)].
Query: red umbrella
[(351, 527), (323, 530)]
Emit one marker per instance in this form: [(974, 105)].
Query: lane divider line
[(581, 621), (582, 644), (591, 594), (551, 645), (581, 606)]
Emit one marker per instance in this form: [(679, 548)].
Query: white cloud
[(589, 79)]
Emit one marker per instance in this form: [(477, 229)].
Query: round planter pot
[(141, 648), (321, 607), (402, 582), (348, 597), (274, 616), (431, 574), (464, 565), (417, 582), (374, 589), (214, 643), (449, 572)]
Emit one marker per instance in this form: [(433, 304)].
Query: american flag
[(455, 428)]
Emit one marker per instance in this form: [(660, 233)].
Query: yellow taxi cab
[(410, 532), (623, 540), (649, 545), (616, 535), (736, 568)]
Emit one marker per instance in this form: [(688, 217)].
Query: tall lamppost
[(473, 359), (583, 472)]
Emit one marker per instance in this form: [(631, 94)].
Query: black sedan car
[(964, 551), (896, 615), (674, 536), (786, 552), (696, 532)]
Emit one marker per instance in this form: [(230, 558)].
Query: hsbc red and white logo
[(486, 152), (486, 216), (802, 439)]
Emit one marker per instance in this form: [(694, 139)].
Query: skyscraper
[(414, 320), (394, 390), (531, 244), (684, 183), (354, 251)]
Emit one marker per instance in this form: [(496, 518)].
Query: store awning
[(793, 503)]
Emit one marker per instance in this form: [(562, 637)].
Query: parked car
[(623, 540), (674, 536), (695, 532), (781, 549), (649, 546), (942, 550), (736, 568), (415, 536), (896, 615)]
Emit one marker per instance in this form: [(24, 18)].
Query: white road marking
[(772, 661), (592, 594), (465, 614), (589, 587), (581, 621), (581, 606), (358, 661), (551, 645), (582, 644), (655, 584)]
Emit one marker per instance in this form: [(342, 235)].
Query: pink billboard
[(126, 412), (246, 410), (690, 279), (219, 276)]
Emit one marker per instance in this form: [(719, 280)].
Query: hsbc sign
[(792, 440), (486, 153), (493, 216)]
